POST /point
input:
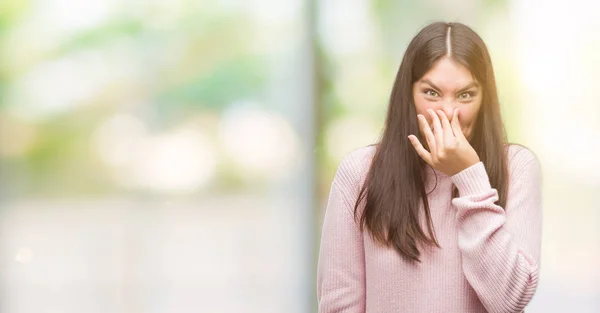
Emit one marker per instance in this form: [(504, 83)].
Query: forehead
[(448, 74)]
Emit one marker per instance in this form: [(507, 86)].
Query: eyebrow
[(472, 84)]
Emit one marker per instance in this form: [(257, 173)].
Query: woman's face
[(446, 86)]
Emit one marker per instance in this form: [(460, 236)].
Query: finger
[(426, 156), (446, 127), (437, 129), (429, 137), (458, 133)]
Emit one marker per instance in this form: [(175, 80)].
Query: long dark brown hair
[(394, 188)]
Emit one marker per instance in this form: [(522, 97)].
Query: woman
[(442, 214)]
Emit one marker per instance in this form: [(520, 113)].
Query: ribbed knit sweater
[(489, 258)]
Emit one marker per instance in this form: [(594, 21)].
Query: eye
[(466, 95), (431, 92)]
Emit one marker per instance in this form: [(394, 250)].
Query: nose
[(449, 111), (447, 107)]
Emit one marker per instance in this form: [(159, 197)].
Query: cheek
[(421, 106), (418, 104), (468, 115)]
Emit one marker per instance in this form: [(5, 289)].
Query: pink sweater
[(489, 259)]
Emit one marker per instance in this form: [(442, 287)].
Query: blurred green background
[(175, 156)]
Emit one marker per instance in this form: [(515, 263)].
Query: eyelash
[(426, 92), (470, 93)]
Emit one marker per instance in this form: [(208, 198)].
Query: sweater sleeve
[(341, 263), (500, 248)]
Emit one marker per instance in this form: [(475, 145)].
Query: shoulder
[(521, 160), (353, 168)]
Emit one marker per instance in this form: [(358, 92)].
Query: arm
[(500, 248), (341, 267)]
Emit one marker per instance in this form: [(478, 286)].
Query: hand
[(449, 150)]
